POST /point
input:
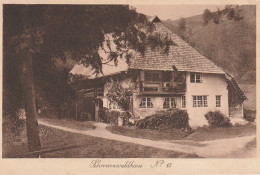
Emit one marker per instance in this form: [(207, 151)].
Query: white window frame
[(146, 102), (169, 102), (218, 101), (197, 77), (200, 100)]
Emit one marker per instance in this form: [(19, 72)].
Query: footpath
[(222, 148)]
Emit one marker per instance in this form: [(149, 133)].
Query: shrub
[(173, 118), (102, 115), (217, 119), (125, 116), (249, 115), (111, 116)]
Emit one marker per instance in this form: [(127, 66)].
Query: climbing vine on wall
[(120, 95)]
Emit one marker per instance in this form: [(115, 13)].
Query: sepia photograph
[(129, 81)]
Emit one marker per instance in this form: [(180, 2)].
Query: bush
[(125, 116), (249, 115), (217, 119), (111, 116), (173, 118)]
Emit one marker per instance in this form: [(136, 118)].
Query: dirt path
[(215, 148)]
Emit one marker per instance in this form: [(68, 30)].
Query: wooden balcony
[(100, 92), (162, 87), (93, 92)]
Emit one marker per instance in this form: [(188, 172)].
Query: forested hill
[(231, 44)]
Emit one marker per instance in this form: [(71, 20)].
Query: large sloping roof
[(182, 56), (232, 83), (108, 69)]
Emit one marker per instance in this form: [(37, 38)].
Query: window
[(200, 101), (205, 101), (149, 103), (218, 101), (169, 102), (146, 103), (166, 103), (143, 103), (183, 101), (152, 76), (195, 77)]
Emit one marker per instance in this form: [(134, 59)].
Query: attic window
[(195, 77)]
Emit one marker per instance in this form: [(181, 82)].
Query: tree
[(207, 15), (36, 34), (182, 24), (120, 95), (216, 17), (184, 32)]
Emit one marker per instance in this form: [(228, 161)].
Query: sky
[(174, 12)]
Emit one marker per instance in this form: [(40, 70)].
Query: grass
[(65, 122), (70, 123), (200, 134), (90, 147), (14, 139), (169, 134), (207, 133)]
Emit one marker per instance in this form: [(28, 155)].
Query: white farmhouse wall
[(212, 85), (157, 105)]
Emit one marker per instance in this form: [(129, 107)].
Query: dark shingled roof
[(182, 56), (232, 83)]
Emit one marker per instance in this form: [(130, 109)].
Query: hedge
[(217, 119), (249, 115), (173, 118), (111, 116)]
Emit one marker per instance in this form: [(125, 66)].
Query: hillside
[(230, 44)]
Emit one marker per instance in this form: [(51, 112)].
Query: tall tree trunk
[(26, 78)]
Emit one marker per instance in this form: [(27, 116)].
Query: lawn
[(199, 134), (52, 118), (167, 134), (70, 123), (207, 133), (90, 147)]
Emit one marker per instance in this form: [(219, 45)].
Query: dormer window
[(195, 77)]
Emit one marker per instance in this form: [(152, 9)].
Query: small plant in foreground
[(173, 118), (217, 119)]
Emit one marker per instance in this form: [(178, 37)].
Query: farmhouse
[(183, 79)]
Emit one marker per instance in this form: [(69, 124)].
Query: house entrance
[(98, 107)]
